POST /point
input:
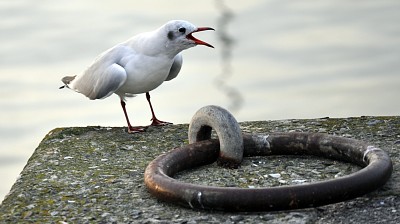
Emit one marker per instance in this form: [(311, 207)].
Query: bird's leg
[(131, 129), (155, 121)]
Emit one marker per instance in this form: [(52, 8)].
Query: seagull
[(138, 65)]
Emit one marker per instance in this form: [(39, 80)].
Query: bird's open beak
[(197, 41)]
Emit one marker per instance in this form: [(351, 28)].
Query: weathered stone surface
[(95, 175)]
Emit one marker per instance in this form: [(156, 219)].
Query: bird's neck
[(154, 44)]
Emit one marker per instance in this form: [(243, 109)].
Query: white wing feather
[(104, 76), (175, 68)]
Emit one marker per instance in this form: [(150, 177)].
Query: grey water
[(272, 60)]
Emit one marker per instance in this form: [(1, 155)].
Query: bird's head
[(179, 35)]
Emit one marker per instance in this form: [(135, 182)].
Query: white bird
[(138, 65)]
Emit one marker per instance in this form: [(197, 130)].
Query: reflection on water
[(227, 44), (290, 59)]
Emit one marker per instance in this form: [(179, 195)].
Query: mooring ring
[(232, 146), (377, 170)]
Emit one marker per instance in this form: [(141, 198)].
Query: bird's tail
[(66, 80)]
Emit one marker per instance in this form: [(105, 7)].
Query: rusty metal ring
[(230, 149), (377, 170)]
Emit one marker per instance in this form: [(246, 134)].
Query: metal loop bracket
[(377, 168), (227, 129)]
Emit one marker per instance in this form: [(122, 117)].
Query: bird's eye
[(182, 30)]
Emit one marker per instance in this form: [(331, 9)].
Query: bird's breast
[(144, 73)]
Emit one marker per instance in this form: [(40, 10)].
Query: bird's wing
[(100, 83), (103, 77), (175, 68)]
